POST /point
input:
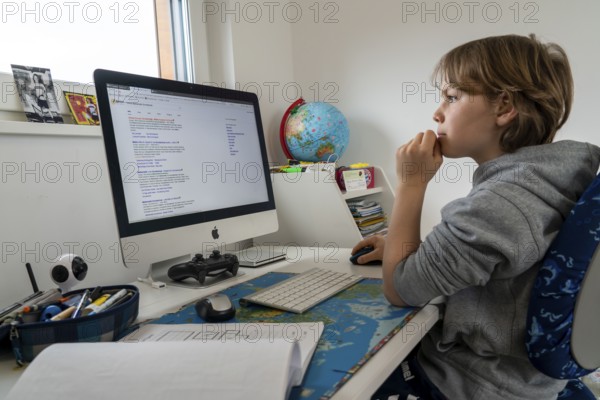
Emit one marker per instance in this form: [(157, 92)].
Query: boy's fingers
[(437, 150), (419, 138), (429, 139)]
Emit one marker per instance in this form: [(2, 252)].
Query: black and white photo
[(36, 91)]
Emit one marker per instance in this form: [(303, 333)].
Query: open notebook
[(188, 361)]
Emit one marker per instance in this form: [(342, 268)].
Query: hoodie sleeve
[(594, 157), (481, 237)]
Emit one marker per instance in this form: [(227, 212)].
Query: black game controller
[(199, 268)]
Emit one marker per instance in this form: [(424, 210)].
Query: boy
[(504, 99)]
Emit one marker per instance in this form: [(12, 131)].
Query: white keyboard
[(303, 291)]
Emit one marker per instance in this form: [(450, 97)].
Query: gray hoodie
[(484, 256)]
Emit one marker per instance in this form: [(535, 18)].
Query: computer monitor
[(188, 166)]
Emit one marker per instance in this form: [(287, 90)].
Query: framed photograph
[(36, 91), (83, 108)]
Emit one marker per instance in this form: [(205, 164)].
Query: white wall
[(380, 55), (263, 65), (249, 47)]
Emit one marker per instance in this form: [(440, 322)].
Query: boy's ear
[(505, 110)]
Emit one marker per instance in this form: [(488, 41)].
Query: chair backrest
[(563, 322), (585, 339)]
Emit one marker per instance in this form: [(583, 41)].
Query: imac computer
[(188, 168)]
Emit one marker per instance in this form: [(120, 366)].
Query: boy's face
[(467, 125)]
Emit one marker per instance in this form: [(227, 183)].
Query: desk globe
[(314, 132)]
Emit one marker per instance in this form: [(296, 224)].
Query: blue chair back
[(563, 322)]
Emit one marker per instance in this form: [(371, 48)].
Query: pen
[(82, 303), (110, 291), (64, 314), (120, 301), (72, 300), (95, 293), (39, 306), (109, 302), (293, 169), (32, 299), (48, 295), (7, 310), (96, 303)]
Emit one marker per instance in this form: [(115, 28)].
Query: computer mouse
[(215, 308), (362, 252)]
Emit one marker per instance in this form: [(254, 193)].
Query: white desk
[(156, 302)]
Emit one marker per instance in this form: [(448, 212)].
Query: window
[(72, 38)]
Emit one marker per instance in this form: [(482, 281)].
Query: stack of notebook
[(368, 215)]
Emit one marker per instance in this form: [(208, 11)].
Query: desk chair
[(563, 322)]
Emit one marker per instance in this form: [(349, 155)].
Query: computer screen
[(187, 164)]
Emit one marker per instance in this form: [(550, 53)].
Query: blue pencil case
[(29, 339)]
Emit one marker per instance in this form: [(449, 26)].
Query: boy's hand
[(418, 160), (377, 242)]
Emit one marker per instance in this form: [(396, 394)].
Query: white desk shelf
[(312, 210), (361, 193)]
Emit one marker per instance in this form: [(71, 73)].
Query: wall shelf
[(36, 128)]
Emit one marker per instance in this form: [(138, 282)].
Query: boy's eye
[(450, 96)]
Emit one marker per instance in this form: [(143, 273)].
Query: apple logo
[(215, 233)]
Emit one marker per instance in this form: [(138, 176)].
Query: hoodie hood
[(555, 174)]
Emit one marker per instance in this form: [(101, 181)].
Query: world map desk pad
[(358, 322)]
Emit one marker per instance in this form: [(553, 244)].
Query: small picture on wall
[(36, 91), (83, 108)]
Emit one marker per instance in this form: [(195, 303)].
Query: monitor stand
[(158, 273)]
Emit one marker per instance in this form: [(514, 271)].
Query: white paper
[(307, 334)]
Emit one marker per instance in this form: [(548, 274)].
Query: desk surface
[(156, 302)]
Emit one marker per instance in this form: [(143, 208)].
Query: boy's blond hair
[(535, 77)]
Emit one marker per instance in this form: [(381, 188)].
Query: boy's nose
[(438, 116)]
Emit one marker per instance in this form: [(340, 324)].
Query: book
[(187, 361), (371, 229), (361, 203), (368, 216)]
